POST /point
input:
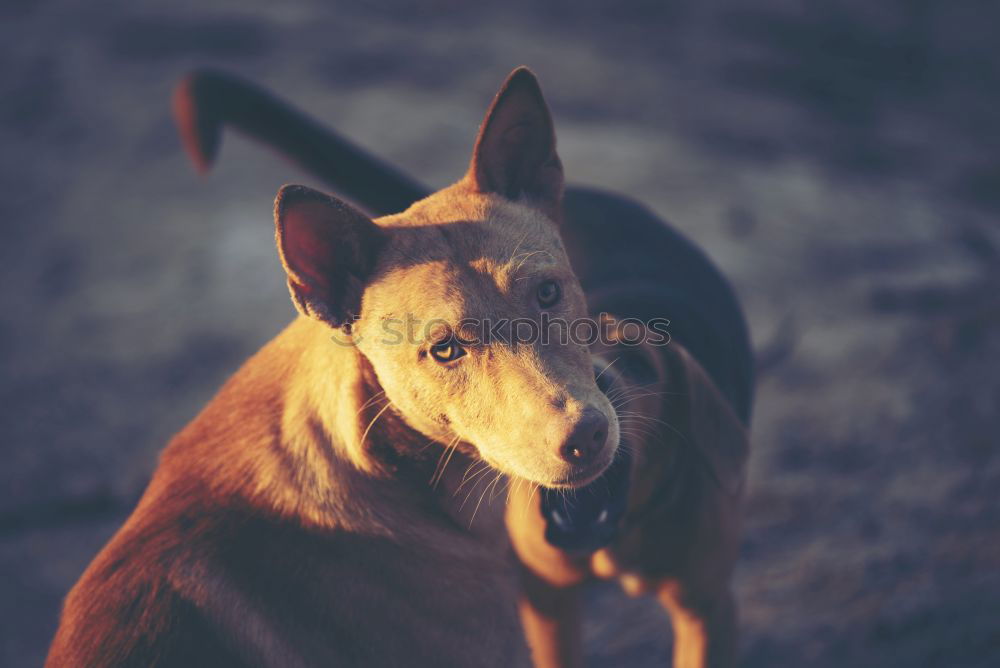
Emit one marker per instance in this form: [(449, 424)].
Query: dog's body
[(292, 522), (274, 548)]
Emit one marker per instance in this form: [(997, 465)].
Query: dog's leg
[(705, 633), (551, 618)]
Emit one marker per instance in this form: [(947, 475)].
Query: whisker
[(370, 401), (628, 398), (428, 444), (497, 490), (372, 423), (516, 248), (477, 475), (482, 496), (606, 368), (479, 462), (525, 259), (480, 476), (449, 450), (527, 504), (665, 424)]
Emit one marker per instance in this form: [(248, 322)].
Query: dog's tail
[(205, 101)]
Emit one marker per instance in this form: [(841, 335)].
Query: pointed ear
[(515, 152), (328, 249)]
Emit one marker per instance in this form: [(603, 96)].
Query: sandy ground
[(839, 164)]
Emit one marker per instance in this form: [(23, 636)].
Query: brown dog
[(664, 519), (292, 522)]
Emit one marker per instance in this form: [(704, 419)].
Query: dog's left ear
[(515, 153), (328, 249)]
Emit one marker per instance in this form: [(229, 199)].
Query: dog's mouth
[(583, 477), (588, 518)]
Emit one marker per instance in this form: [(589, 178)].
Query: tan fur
[(510, 402), (682, 526)]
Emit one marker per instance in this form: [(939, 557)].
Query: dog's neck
[(355, 461)]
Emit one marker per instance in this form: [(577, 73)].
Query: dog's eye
[(447, 351), (548, 293)]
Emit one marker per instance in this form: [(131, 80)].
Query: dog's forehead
[(486, 233), (463, 259)]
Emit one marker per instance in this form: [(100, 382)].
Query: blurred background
[(839, 163)]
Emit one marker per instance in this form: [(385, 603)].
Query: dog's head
[(448, 301)]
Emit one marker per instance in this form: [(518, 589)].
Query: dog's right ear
[(515, 153), (328, 249)]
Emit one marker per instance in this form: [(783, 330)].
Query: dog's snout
[(586, 439)]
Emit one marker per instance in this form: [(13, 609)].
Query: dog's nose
[(586, 439)]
